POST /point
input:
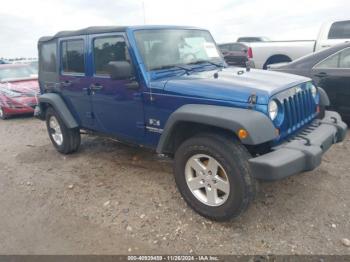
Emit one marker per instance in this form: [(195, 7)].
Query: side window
[(330, 62), (339, 30), (48, 57), (338, 60), (237, 47), (109, 49), (344, 61), (72, 57)]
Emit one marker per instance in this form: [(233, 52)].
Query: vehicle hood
[(21, 87), (232, 84)]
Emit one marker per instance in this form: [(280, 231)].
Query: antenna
[(144, 12)]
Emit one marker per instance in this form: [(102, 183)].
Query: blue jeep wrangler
[(168, 88)]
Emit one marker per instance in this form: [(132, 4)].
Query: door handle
[(133, 85), (95, 87), (321, 74), (66, 83)]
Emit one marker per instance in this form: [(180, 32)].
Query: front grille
[(299, 109)]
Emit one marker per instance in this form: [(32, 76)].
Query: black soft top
[(85, 31)]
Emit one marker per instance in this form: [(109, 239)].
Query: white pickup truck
[(271, 52)]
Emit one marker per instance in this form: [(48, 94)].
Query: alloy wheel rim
[(55, 131), (207, 180)]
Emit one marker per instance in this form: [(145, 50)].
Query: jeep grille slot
[(298, 109)]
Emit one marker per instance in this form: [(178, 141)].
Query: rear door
[(333, 74), (117, 104), (73, 79)]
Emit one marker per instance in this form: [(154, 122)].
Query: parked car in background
[(2, 62), (236, 54), (333, 33), (252, 39), (266, 53), (271, 52), (330, 69), (18, 90)]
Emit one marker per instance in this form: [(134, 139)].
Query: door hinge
[(89, 115), (140, 125)]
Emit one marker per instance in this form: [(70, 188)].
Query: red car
[(19, 88)]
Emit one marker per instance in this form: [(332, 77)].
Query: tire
[(232, 159), (65, 140), (3, 116)]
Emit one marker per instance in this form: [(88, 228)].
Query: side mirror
[(119, 70)]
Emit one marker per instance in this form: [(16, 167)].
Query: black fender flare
[(260, 128), (56, 101)]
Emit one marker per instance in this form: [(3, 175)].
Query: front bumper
[(302, 152)]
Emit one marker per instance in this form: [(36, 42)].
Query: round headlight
[(273, 109), (313, 91)]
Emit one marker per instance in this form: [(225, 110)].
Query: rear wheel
[(65, 140), (213, 175)]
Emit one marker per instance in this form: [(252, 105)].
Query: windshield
[(162, 48), (16, 73)]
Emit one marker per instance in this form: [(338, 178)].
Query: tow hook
[(335, 120), (308, 142)]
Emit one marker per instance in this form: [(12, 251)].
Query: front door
[(117, 104)]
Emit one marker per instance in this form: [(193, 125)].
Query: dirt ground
[(113, 199)]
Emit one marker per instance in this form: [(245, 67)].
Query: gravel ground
[(113, 199)]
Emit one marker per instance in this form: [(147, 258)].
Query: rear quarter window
[(339, 30), (237, 47), (48, 57), (224, 47)]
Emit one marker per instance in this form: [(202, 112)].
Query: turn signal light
[(277, 131), (318, 109), (242, 133)]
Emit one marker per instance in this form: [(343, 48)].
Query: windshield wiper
[(207, 61), (187, 70)]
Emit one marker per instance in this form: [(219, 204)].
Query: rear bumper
[(303, 152)]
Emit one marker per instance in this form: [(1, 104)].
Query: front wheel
[(65, 140), (213, 176)]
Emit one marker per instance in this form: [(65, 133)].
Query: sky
[(22, 22)]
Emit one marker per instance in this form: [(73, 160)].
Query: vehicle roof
[(108, 29)]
